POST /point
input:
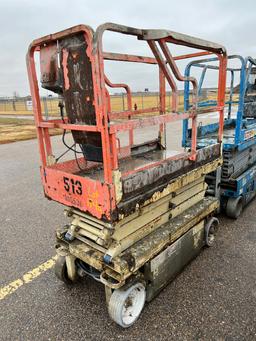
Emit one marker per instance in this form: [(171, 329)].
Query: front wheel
[(125, 306)]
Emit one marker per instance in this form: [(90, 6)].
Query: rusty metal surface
[(50, 75), (150, 194), (166, 171), (78, 85), (78, 93)]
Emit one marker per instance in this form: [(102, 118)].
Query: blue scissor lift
[(236, 179)]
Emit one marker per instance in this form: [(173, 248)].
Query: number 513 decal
[(72, 186)]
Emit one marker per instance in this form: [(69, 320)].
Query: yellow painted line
[(26, 278)]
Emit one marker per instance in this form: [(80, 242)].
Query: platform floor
[(133, 163), (228, 135)]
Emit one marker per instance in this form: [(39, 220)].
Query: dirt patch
[(16, 129)]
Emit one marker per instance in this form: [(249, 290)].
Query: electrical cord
[(66, 151), (69, 148), (61, 106), (66, 145), (77, 162)]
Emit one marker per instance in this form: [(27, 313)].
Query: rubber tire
[(234, 207), (211, 224), (60, 270), (117, 302)]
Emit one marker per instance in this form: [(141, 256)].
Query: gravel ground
[(214, 298)]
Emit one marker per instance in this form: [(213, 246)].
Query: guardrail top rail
[(72, 65), (244, 71)]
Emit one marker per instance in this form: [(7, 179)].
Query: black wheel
[(61, 270), (211, 228), (234, 207)]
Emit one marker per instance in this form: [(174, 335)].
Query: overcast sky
[(231, 23)]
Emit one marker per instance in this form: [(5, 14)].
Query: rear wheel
[(125, 306), (234, 207)]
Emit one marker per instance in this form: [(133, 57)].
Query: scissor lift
[(137, 212), (238, 173)]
